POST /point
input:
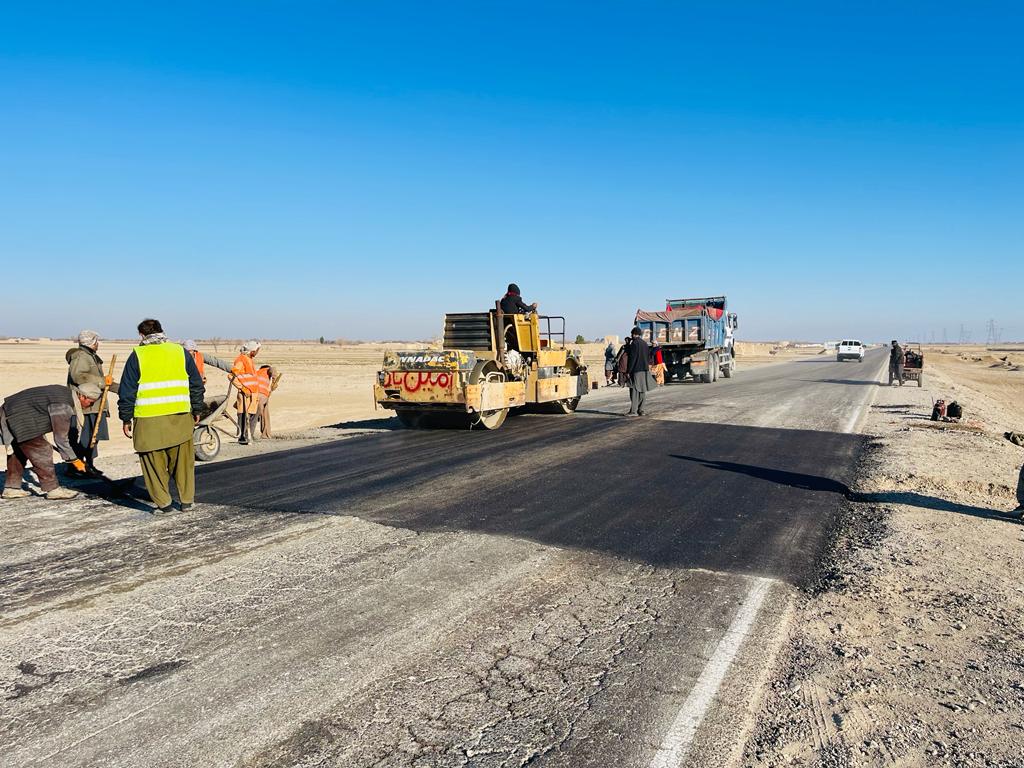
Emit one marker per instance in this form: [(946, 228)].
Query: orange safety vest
[(245, 373), (263, 381), (200, 365)]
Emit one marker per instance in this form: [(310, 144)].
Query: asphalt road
[(568, 591)]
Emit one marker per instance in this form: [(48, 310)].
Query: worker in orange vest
[(192, 349), (247, 384), (267, 379)]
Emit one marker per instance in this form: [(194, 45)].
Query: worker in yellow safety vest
[(247, 403), (159, 402)]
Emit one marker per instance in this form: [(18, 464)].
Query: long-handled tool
[(103, 405)]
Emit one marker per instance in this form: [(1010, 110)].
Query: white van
[(850, 350)]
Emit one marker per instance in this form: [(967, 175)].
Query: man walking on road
[(160, 397), (26, 418), (86, 367), (896, 362), (638, 373), (247, 404)]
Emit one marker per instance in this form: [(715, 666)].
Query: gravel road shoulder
[(911, 650)]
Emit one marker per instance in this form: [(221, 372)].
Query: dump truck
[(695, 336), (489, 363)]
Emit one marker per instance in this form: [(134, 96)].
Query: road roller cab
[(490, 363)]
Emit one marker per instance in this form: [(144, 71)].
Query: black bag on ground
[(954, 410)]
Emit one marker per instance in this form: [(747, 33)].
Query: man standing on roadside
[(247, 404), (26, 418), (86, 367), (638, 372), (896, 362), (1017, 438), (160, 398)]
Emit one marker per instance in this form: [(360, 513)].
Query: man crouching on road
[(159, 402), (26, 418)]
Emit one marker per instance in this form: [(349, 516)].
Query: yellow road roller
[(490, 362)]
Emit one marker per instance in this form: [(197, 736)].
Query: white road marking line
[(858, 412), (677, 742)]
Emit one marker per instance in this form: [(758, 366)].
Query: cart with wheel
[(913, 364), (206, 435)]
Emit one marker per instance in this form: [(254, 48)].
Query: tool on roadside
[(118, 488), (103, 405)]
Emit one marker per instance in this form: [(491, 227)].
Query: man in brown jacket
[(86, 367), (26, 418)]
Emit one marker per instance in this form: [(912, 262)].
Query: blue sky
[(356, 170)]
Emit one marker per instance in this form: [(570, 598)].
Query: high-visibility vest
[(163, 381), (245, 373), (200, 365), (263, 381)]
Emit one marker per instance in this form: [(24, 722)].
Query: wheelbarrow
[(206, 435)]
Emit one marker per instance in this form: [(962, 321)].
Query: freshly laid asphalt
[(558, 592)]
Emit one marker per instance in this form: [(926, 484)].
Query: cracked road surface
[(563, 592)]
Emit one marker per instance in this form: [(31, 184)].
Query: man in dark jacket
[(638, 372), (896, 360), (26, 418), (512, 302), (159, 402)]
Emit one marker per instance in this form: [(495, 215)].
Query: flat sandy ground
[(912, 651), (324, 385)]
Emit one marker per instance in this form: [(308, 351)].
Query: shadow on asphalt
[(385, 422), (828, 485), (611, 486), (797, 480), (845, 382)]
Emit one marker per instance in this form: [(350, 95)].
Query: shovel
[(103, 406)]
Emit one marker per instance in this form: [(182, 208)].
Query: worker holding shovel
[(247, 404), (85, 366)]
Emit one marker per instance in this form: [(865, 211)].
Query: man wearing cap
[(248, 402), (86, 367), (159, 402), (896, 361), (26, 418)]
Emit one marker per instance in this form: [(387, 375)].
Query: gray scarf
[(153, 338)]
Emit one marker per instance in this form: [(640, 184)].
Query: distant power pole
[(944, 336), (991, 337)]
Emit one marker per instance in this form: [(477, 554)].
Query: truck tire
[(714, 368), (728, 369), (920, 380)]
